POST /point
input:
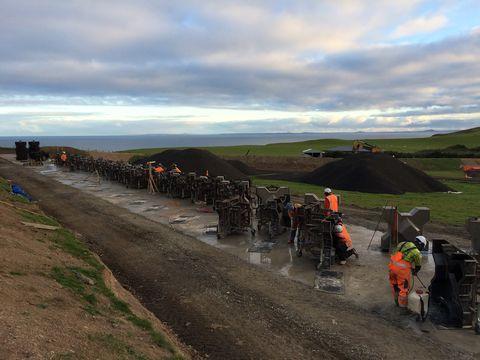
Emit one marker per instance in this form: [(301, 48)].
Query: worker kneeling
[(343, 244), (403, 263)]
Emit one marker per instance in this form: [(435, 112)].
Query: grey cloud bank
[(289, 56)]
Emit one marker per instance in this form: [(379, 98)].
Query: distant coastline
[(126, 142)]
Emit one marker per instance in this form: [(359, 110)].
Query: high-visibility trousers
[(400, 284)]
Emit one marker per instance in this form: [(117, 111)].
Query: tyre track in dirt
[(218, 304)]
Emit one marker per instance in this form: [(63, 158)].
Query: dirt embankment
[(196, 160), (217, 303), (114, 156), (53, 150), (282, 163), (108, 155), (58, 300)]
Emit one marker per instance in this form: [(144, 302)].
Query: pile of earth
[(196, 160), (244, 168), (374, 173), (53, 150)]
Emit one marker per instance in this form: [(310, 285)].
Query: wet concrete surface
[(365, 280)]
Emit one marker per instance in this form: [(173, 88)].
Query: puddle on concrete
[(156, 207), (137, 202), (118, 195), (261, 247), (330, 281), (182, 219)]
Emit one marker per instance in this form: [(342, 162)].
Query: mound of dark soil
[(196, 160), (373, 173), (243, 168)]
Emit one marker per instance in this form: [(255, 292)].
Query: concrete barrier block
[(420, 216), (311, 198), (473, 227)]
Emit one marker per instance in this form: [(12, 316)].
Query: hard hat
[(297, 205), (338, 228), (327, 191), (421, 242)]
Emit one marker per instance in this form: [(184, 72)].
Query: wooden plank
[(40, 226)]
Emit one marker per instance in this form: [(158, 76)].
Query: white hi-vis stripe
[(402, 265)]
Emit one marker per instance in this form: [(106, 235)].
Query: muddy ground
[(47, 316), (220, 305)]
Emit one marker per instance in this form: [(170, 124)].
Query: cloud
[(420, 25), (290, 56)]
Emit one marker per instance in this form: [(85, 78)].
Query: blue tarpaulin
[(18, 190)]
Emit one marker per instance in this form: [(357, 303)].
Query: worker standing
[(403, 263), (343, 244), (175, 169), (63, 158), (331, 201), (293, 210)]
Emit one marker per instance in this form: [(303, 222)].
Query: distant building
[(313, 153)]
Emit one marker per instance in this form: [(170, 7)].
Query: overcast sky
[(150, 66)]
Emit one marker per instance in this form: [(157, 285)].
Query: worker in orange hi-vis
[(331, 201), (175, 169), (403, 263), (343, 243), (63, 157), (159, 169)]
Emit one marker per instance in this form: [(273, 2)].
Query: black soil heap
[(242, 167), (196, 160), (373, 173)]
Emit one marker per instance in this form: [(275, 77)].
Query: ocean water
[(126, 142)]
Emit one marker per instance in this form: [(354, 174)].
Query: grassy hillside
[(60, 302), (469, 138)]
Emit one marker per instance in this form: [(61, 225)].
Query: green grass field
[(445, 208), (469, 138), (442, 168)]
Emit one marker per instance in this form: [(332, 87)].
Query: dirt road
[(221, 306)]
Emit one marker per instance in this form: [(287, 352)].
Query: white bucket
[(418, 302)]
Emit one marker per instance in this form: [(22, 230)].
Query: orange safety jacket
[(344, 236), (331, 203), (471, 168), (159, 169), (176, 169), (400, 266)]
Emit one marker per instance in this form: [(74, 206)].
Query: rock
[(84, 278)]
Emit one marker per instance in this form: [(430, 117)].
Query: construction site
[(239, 180), (237, 270)]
